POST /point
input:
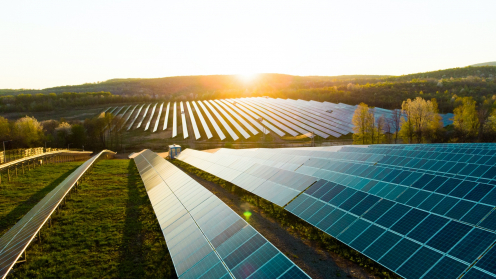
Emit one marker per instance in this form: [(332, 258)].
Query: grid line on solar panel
[(203, 233), (212, 121), (410, 226), (14, 242)]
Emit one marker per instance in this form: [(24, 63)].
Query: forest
[(376, 91)]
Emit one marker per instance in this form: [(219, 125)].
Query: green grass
[(25, 191), (106, 230)]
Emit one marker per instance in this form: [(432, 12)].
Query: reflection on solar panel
[(151, 117), (258, 114), (230, 119), (15, 241), (422, 211), (193, 121), (222, 121), (166, 119), (174, 121), (135, 117), (119, 110), (202, 120), (212, 121), (292, 118), (183, 121), (253, 118), (241, 120), (205, 238), (144, 115), (124, 111), (158, 117)]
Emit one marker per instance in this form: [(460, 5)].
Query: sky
[(46, 43)]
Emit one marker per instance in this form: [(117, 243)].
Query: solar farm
[(374, 211), (244, 119)]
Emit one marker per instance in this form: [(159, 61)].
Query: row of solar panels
[(416, 222), (15, 241), (205, 238)]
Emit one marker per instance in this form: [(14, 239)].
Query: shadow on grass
[(133, 239), (22, 209)]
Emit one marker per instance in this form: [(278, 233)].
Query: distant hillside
[(380, 91), (484, 64)]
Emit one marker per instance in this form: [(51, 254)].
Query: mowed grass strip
[(106, 230), (20, 195)]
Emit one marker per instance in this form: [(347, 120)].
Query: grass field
[(24, 192), (107, 230)]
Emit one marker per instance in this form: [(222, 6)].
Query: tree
[(362, 123), (5, 130), (466, 119), (28, 131), (78, 135), (63, 134), (484, 111), (396, 123), (421, 119)]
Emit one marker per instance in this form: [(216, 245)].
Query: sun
[(247, 77)]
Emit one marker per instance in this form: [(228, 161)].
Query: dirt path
[(306, 254)]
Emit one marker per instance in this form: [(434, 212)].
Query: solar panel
[(212, 121), (193, 122), (144, 115), (112, 110), (265, 118), (166, 119), (124, 111), (285, 120), (183, 121), (158, 118), (253, 118), (202, 120), (222, 121), (119, 110), (174, 121), (205, 238), (135, 117), (151, 117), (15, 241), (381, 200), (293, 118), (231, 120), (235, 112)]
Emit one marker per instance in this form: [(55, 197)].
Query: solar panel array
[(205, 238), (422, 211), (15, 241), (246, 117)]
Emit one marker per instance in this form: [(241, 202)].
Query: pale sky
[(46, 43)]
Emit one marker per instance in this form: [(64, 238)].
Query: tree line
[(103, 132), (419, 121)]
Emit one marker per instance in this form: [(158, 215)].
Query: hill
[(484, 64), (380, 91)]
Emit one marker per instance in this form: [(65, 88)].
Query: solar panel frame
[(174, 120)]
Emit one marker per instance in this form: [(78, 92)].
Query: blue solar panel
[(424, 199)]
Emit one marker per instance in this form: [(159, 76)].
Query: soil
[(308, 255)]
